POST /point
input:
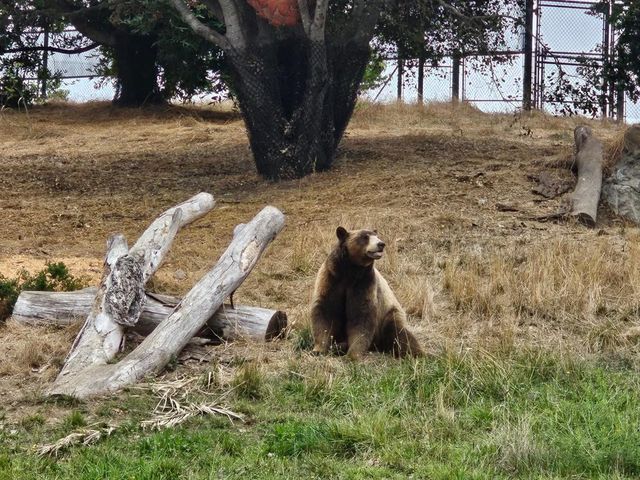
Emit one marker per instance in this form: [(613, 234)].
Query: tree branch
[(476, 18), (316, 30), (52, 49), (198, 27), (365, 17), (232, 22), (305, 15), (80, 20), (214, 8)]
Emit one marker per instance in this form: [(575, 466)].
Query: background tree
[(145, 46), (595, 84), (297, 65), (423, 32), (624, 71), (21, 53), (435, 29), (295, 71)]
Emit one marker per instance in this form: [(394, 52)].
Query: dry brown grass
[(428, 179), (562, 280), (30, 353)]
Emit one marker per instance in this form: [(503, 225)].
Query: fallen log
[(186, 319), (120, 297), (227, 324), (589, 158)]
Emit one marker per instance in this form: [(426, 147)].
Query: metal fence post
[(45, 62), (400, 75), (528, 56), (421, 79), (455, 77)]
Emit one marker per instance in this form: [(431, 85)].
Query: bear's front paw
[(354, 356), (319, 350)]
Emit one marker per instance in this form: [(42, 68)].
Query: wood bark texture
[(227, 324), (586, 196), (186, 320)]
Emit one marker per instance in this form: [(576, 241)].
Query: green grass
[(528, 415)]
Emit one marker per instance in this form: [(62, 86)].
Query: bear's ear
[(342, 234), (375, 231)]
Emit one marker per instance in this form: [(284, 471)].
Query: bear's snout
[(381, 246)]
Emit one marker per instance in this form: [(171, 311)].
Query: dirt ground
[(432, 181)]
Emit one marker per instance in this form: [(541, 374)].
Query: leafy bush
[(55, 277), (15, 92)]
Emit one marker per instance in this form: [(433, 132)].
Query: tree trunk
[(100, 337), (135, 63), (227, 324), (296, 117), (297, 85), (586, 196), (199, 305)]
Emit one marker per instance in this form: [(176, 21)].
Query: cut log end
[(276, 326), (580, 135), (585, 219)]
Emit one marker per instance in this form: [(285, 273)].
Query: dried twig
[(86, 436), (174, 408)]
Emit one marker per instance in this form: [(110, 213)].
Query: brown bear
[(353, 307)]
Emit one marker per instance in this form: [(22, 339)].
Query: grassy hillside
[(532, 328)]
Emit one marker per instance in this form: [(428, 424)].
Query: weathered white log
[(586, 196), (188, 317), (154, 243), (228, 323), (100, 337), (120, 298)]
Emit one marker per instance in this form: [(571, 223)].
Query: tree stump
[(586, 196)]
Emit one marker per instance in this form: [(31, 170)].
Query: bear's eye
[(363, 238)]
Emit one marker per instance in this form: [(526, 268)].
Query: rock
[(621, 191)]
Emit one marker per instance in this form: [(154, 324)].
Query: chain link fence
[(79, 81), (78, 72), (569, 43), (568, 38)]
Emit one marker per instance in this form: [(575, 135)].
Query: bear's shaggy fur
[(353, 307)]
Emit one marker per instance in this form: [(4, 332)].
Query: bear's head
[(362, 247)]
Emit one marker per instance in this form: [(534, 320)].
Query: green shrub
[(55, 277), (15, 92)]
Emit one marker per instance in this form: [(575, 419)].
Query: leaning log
[(120, 297), (589, 157), (227, 324), (100, 337), (188, 317)]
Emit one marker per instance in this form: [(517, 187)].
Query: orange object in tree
[(280, 13)]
